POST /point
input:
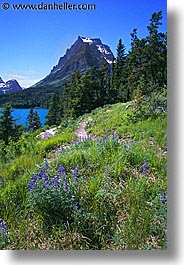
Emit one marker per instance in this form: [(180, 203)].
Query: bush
[(149, 106)]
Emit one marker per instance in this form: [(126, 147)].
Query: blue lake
[(21, 115)]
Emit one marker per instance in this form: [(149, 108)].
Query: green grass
[(119, 206)]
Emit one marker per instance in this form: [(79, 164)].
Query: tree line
[(140, 72)]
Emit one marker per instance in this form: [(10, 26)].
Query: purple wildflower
[(163, 198), (113, 135), (33, 179), (55, 182), (46, 165), (2, 227), (41, 172), (61, 170), (75, 207), (30, 187), (32, 182), (65, 184), (124, 146), (144, 168), (75, 176), (45, 178), (75, 142), (46, 186)]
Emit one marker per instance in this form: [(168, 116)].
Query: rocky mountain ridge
[(81, 56), (9, 86)]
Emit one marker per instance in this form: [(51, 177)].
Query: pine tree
[(33, 120), (135, 64), (103, 79), (88, 91), (71, 97), (8, 128), (156, 52), (147, 60), (54, 117), (118, 74)]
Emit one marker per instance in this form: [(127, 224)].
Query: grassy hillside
[(104, 192)]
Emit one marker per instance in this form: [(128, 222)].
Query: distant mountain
[(82, 55), (9, 86)]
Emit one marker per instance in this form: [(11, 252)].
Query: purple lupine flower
[(113, 135), (30, 187), (55, 182), (65, 184), (144, 168), (75, 176), (46, 186), (32, 182), (46, 165), (45, 178), (75, 206), (75, 142), (163, 198), (2, 227), (124, 146), (41, 172), (33, 179), (61, 170)]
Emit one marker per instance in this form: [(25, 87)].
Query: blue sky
[(32, 41)]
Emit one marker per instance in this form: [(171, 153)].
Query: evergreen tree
[(54, 115), (71, 97), (147, 60), (118, 74), (156, 52), (8, 128), (103, 76), (88, 91), (135, 64), (33, 120)]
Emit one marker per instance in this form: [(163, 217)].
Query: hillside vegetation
[(108, 191), (101, 181)]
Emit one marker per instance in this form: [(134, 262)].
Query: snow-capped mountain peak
[(83, 54), (9, 86)]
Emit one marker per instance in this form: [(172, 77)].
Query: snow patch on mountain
[(108, 61), (102, 49), (9, 86), (86, 40)]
